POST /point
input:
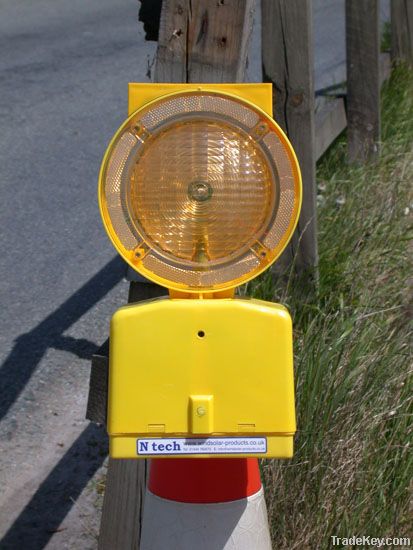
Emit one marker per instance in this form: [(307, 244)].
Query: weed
[(352, 466)]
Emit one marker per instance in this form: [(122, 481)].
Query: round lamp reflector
[(200, 191)]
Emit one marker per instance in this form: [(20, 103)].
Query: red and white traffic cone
[(205, 504)]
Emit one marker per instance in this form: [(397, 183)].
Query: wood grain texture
[(330, 121), (287, 56), (98, 386), (203, 40), (385, 67), (120, 526), (331, 118), (123, 502), (402, 30), (363, 79)]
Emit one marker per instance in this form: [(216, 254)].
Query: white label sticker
[(197, 446)]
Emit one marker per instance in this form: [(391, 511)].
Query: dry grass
[(352, 466)]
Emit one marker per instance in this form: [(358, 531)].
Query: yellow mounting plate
[(141, 94), (200, 189), (201, 374)]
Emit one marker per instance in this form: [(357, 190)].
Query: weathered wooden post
[(288, 62), (402, 30), (199, 41), (203, 41), (363, 79), (126, 479)]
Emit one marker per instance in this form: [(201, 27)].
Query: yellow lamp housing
[(200, 189), (203, 377)]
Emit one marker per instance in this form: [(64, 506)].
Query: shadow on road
[(29, 348), (41, 518)]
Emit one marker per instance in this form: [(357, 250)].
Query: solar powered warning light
[(200, 192)]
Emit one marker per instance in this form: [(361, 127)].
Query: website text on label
[(212, 445)]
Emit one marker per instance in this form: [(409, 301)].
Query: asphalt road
[(64, 69)]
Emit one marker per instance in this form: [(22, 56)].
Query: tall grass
[(352, 466)]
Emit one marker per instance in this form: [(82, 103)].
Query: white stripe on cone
[(235, 525)]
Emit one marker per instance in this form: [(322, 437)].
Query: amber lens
[(201, 191)]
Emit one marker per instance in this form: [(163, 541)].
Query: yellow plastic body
[(258, 94), (143, 96), (201, 368)]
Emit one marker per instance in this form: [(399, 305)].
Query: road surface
[(64, 70)]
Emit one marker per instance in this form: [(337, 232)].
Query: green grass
[(352, 466)]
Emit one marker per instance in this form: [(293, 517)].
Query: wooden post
[(203, 40), (402, 30), (120, 526), (363, 79), (199, 41), (288, 62)]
